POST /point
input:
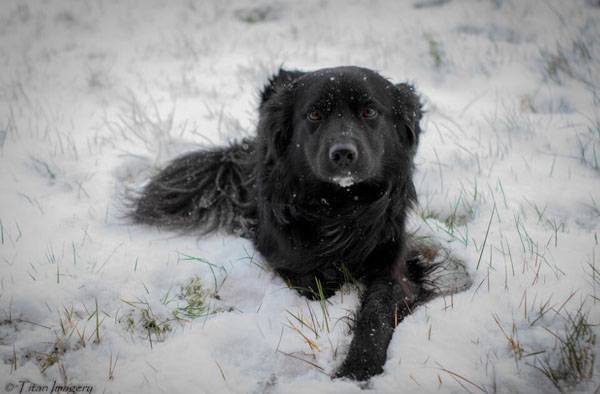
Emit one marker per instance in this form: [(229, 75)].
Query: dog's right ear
[(277, 81), (275, 114), (275, 123), (408, 112)]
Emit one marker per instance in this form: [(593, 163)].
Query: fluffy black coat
[(323, 191)]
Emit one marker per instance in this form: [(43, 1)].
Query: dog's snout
[(343, 155)]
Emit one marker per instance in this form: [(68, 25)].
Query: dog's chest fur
[(349, 230)]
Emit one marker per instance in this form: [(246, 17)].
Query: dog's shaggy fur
[(323, 191)]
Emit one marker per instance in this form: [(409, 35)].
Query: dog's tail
[(202, 191)]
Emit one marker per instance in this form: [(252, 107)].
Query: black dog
[(323, 192)]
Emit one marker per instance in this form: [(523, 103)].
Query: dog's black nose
[(343, 155)]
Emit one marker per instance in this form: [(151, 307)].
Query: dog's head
[(343, 125)]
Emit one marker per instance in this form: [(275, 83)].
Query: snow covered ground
[(94, 95)]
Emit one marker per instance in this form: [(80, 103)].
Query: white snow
[(343, 181), (95, 95)]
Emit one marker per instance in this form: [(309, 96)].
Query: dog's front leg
[(385, 303)]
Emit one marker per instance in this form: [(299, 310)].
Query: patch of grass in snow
[(212, 267), (307, 327), (257, 14), (74, 323), (191, 301), (137, 123), (462, 211), (436, 51), (429, 3), (512, 339), (568, 60), (576, 57), (555, 224), (228, 125), (8, 125), (459, 233), (193, 296), (45, 169), (99, 79), (143, 320), (312, 326), (556, 63), (312, 323), (46, 360), (453, 221), (323, 303), (154, 324), (588, 143), (515, 122), (3, 134), (594, 274), (71, 334), (572, 361), (145, 123)]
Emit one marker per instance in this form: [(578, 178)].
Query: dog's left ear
[(277, 81), (408, 112)]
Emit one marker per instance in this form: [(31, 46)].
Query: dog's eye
[(368, 113), (315, 116)]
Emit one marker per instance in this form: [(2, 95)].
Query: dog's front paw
[(359, 370), (437, 270), (366, 355), (448, 276)]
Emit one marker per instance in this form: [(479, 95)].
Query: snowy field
[(96, 95)]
